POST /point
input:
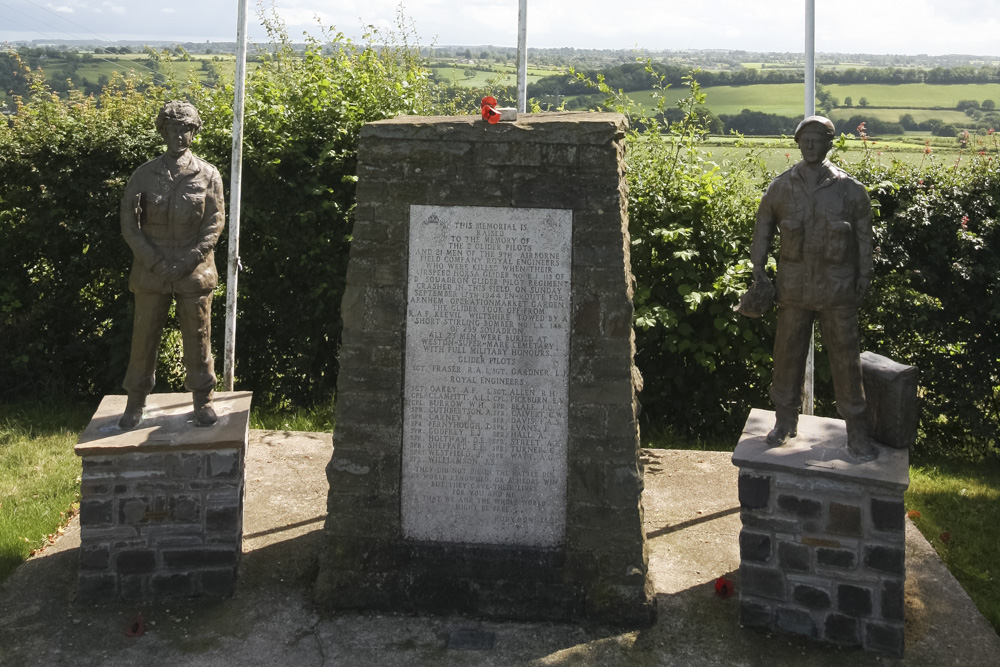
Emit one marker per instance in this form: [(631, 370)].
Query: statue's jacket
[(825, 233), (176, 215)]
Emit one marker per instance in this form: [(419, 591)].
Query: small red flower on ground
[(724, 588), (913, 514), (136, 628)]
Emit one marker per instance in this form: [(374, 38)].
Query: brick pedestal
[(822, 545), (161, 506)]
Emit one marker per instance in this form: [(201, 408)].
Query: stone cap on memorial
[(577, 127), (168, 425), (819, 450)]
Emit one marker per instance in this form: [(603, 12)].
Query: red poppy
[(488, 107), (136, 628), (724, 588), (913, 513)]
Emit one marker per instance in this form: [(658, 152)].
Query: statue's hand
[(182, 267)]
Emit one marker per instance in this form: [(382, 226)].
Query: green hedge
[(934, 301), (65, 309)]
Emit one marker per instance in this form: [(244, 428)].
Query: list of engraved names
[(486, 391)]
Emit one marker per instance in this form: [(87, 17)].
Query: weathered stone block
[(135, 561), (888, 515), (892, 600), (177, 585), (844, 519), (841, 629), (812, 597), (793, 556), (841, 558), (754, 490), (95, 513), (796, 621), (765, 582), (806, 508), (198, 558), (886, 559), (755, 614), (224, 464), (854, 600), (755, 546)]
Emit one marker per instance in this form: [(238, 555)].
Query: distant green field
[(108, 64), (916, 95), (780, 155), (787, 100), (507, 76)]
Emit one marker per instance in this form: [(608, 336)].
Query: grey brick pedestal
[(161, 506), (822, 545)]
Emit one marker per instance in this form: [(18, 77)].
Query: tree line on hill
[(634, 76)]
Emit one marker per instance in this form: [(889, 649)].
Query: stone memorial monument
[(161, 508), (822, 545), (486, 445)]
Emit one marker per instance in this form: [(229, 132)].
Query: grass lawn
[(39, 476)]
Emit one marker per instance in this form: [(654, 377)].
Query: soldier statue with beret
[(823, 218), (171, 217)]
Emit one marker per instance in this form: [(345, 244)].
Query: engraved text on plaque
[(486, 390)]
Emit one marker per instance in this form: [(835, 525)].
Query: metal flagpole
[(235, 187), (808, 383), (522, 57)]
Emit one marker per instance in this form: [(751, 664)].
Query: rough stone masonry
[(486, 445), (822, 547), (161, 506)]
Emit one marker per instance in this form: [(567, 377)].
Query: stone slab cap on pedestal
[(819, 450), (168, 425)]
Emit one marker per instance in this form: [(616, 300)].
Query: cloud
[(62, 9), (168, 10)]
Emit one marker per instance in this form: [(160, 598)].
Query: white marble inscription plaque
[(486, 398)]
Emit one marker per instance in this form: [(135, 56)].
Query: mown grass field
[(109, 64), (786, 99), (501, 75)]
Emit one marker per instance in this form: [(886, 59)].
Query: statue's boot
[(204, 412), (785, 428), (859, 442), (133, 411)]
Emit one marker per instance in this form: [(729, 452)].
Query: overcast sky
[(868, 26)]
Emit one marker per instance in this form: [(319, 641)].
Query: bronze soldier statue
[(171, 216), (824, 220)]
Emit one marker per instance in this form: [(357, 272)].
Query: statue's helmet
[(180, 111), (824, 124)]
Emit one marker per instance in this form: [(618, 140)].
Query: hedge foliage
[(934, 301), (65, 311)]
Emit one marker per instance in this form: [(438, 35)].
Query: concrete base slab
[(692, 523)]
